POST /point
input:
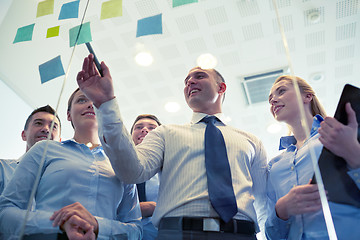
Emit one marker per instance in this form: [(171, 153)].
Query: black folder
[(340, 186)]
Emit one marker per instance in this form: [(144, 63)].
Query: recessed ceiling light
[(172, 107), (274, 128), (317, 77), (144, 59), (206, 61)]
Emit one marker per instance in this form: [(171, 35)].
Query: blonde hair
[(316, 107)]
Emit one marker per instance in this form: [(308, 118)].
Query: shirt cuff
[(276, 227), (108, 112), (104, 226)]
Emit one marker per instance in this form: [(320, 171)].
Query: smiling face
[(283, 103), (81, 113), (203, 93), (141, 128), (39, 127)]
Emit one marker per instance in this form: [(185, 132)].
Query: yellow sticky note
[(45, 8), (53, 32), (110, 9)]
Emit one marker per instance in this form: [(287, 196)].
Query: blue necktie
[(141, 191), (221, 192)]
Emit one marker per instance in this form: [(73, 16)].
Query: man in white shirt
[(184, 210), (37, 127)]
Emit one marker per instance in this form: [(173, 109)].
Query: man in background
[(148, 191), (37, 128)]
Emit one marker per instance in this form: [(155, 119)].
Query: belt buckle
[(211, 225)]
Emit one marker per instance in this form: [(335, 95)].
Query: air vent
[(257, 86)]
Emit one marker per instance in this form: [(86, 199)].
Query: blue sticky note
[(24, 33), (51, 69), (149, 25), (69, 10), (83, 37)]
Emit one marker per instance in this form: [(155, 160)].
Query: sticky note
[(51, 69), (24, 33), (53, 32), (84, 36), (110, 9), (177, 3), (149, 25), (45, 8), (69, 10)]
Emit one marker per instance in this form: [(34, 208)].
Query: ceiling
[(243, 35)]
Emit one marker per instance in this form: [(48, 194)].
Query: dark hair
[(219, 77), (71, 98), (144, 116), (46, 109)]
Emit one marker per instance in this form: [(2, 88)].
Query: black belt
[(50, 236), (207, 225)]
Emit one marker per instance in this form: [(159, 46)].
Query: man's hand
[(76, 209), (98, 89), (147, 208), (299, 200), (78, 229), (341, 139)]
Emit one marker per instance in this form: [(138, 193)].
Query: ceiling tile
[(316, 59), (225, 38), (344, 71), (169, 52), (346, 31), (253, 31), (216, 16), (147, 8), (248, 8), (346, 8), (286, 23), (187, 24), (315, 39), (197, 45), (345, 52)]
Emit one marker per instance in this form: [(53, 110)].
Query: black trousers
[(51, 236), (198, 235), (190, 228)]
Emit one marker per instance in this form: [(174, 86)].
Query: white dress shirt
[(178, 150)]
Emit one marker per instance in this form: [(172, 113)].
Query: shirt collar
[(197, 116), (287, 141), (72, 140)]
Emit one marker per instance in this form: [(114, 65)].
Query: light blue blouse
[(291, 168), (71, 173)]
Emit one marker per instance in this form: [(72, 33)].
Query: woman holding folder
[(294, 207)]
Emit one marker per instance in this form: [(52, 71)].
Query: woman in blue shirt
[(78, 192), (294, 207)]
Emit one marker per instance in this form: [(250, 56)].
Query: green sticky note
[(45, 8), (53, 32), (24, 33), (177, 3), (83, 37), (110, 9)]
